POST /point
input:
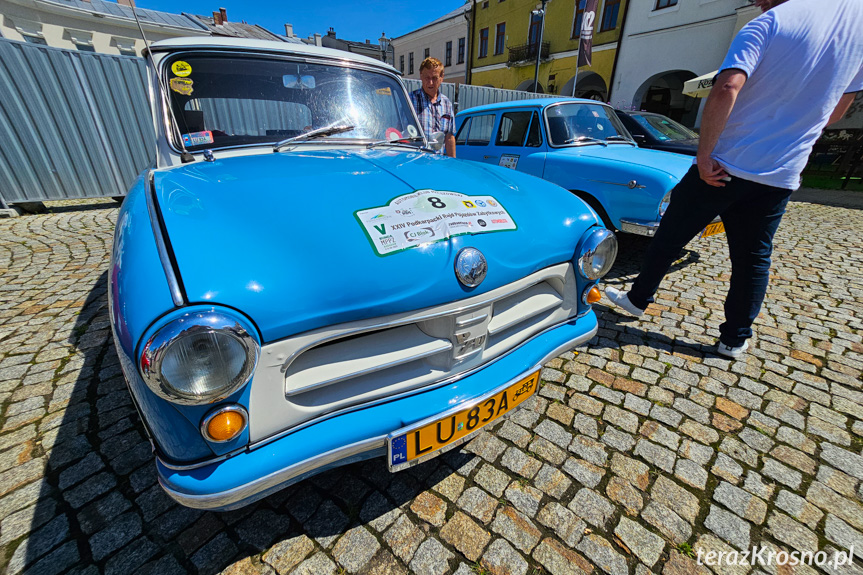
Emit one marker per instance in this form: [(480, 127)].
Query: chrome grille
[(343, 365)]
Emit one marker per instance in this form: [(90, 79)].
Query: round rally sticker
[(181, 69), (412, 131), (393, 134)]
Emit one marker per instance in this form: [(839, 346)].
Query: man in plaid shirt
[(434, 110)]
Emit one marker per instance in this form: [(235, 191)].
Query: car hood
[(620, 156), (276, 236), (687, 147)]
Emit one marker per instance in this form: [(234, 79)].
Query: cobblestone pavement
[(641, 449)]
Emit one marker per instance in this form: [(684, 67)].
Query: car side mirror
[(436, 141)]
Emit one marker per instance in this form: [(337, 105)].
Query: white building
[(667, 42), (445, 39)]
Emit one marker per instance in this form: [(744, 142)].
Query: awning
[(699, 87)]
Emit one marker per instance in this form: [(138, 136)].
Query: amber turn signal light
[(593, 295), (225, 423)]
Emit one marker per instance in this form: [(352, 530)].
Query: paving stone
[(727, 469), (478, 503), (699, 432), (586, 425), (501, 559), (560, 413), (288, 553), (844, 535), (843, 460), (516, 528), (644, 544), (558, 560), (585, 473), (551, 481), (605, 394), (429, 508), (725, 423), (837, 481), (756, 440), (378, 512), (355, 549), (637, 404), (655, 455), (547, 450), (791, 532), (620, 418), (592, 507), (317, 564), (524, 497), (661, 435), (385, 563), (798, 508), (603, 555), (518, 462), (784, 475), (486, 446), (741, 502), (589, 450), (326, 524), (431, 558), (214, 554), (728, 527), (515, 433), (667, 522), (403, 538), (492, 479), (565, 524), (679, 564), (553, 432), (690, 473), (632, 470), (757, 487), (828, 431), (830, 501), (464, 534), (666, 415), (669, 493), (700, 454), (622, 492), (708, 544), (584, 404), (122, 530), (739, 451), (764, 423)]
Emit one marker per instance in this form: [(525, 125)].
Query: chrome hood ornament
[(470, 267)]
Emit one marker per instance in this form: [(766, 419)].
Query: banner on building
[(585, 45)]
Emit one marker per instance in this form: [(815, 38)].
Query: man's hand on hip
[(711, 172)]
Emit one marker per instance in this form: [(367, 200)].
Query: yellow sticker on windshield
[(182, 86), (181, 69), (384, 91)]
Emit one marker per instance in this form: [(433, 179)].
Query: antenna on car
[(185, 156)]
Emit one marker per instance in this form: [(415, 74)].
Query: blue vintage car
[(580, 145), (301, 282)]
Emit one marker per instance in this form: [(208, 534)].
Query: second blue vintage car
[(580, 145), (301, 282)]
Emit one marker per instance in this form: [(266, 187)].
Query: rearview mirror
[(436, 141), (298, 82)]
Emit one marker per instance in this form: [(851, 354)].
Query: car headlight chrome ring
[(663, 205), (200, 357), (598, 252)]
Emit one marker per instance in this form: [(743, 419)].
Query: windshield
[(662, 128), (580, 123), (221, 101)]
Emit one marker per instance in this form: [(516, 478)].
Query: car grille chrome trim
[(310, 375)]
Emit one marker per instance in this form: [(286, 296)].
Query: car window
[(461, 137), (480, 130), (579, 123), (513, 127), (663, 128), (534, 137)]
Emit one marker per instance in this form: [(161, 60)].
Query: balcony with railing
[(526, 53)]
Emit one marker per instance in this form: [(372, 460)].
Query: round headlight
[(663, 205), (201, 357), (597, 253)]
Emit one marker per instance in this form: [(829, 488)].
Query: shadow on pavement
[(836, 198)]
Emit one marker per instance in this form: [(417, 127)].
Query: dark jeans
[(751, 213)]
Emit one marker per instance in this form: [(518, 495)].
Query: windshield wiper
[(319, 133), (586, 139), (405, 142), (619, 138)]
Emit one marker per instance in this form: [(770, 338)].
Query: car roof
[(176, 44), (535, 102)]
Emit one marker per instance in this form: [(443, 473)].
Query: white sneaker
[(621, 300), (733, 352)]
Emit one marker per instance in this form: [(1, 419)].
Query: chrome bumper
[(637, 227)]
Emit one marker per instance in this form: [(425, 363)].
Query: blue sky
[(352, 19)]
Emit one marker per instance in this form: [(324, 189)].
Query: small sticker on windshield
[(181, 69), (198, 138), (392, 134), (384, 92), (182, 86), (412, 131)]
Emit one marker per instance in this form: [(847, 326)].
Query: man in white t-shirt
[(788, 74)]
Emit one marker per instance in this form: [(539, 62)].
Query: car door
[(474, 138), (519, 144)]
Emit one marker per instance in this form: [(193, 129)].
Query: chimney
[(125, 3), (331, 32), (224, 14), (217, 19), (318, 40), (368, 41), (289, 30)]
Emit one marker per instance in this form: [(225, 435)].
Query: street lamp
[(385, 44), (541, 13)]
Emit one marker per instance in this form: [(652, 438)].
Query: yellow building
[(503, 50)]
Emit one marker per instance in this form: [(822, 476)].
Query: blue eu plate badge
[(399, 450)]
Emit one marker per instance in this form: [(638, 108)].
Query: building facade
[(91, 25), (506, 35), (445, 39), (666, 43)]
